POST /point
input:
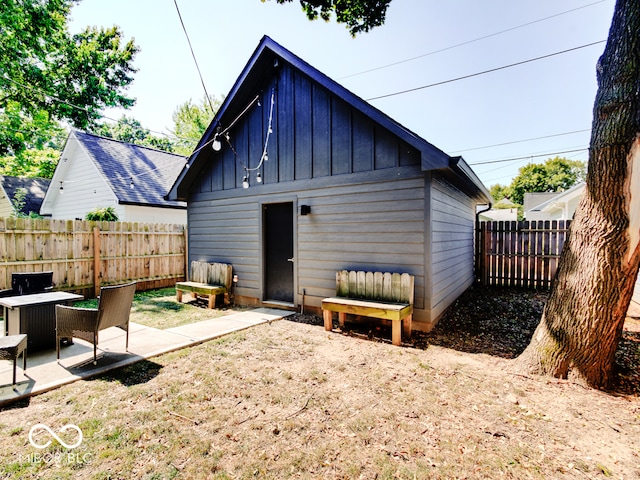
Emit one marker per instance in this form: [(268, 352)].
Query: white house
[(558, 206), (503, 210), (96, 172)]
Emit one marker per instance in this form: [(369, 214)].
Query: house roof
[(151, 171), (532, 199), (36, 190), (251, 81), (560, 197)]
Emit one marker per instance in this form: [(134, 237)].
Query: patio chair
[(114, 307)]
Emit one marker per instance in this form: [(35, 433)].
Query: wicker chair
[(114, 307)]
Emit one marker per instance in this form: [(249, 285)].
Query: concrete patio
[(76, 361)]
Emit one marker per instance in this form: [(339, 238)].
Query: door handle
[(291, 259)]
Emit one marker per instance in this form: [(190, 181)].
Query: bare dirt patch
[(289, 400)]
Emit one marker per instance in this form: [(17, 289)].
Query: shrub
[(104, 214)]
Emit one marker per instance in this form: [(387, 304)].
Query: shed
[(96, 172), (296, 178)]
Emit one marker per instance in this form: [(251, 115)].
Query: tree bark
[(582, 322)]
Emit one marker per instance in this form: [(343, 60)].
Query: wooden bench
[(208, 279), (373, 294)]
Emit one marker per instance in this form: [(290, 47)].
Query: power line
[(485, 71), (468, 41), (522, 141), (528, 156)]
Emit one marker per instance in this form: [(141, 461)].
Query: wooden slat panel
[(369, 286), (361, 286), (522, 254)]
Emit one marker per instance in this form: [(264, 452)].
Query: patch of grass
[(159, 309)]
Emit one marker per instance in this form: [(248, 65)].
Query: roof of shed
[(151, 171), (36, 190), (261, 65)]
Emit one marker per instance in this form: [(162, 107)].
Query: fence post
[(96, 261), (186, 255)]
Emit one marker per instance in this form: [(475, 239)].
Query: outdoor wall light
[(305, 209)]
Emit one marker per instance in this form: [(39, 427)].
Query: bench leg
[(406, 326), (342, 317), (396, 334), (328, 320), (212, 301), (178, 296)]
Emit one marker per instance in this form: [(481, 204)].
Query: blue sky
[(544, 98)]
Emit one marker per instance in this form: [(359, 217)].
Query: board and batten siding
[(452, 226), (371, 202)]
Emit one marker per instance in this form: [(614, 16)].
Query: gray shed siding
[(451, 245), (375, 224)]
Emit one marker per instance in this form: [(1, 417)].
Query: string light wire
[(175, 2)]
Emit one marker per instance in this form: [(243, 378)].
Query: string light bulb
[(132, 185), (61, 189), (216, 144), (245, 182), (259, 178)]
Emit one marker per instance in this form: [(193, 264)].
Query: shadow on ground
[(134, 374)]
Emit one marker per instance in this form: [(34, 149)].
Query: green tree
[(128, 129), (190, 122), (498, 192), (48, 75), (358, 15), (554, 175)]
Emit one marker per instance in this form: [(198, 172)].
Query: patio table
[(35, 315)]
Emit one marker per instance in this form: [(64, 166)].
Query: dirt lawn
[(289, 400)]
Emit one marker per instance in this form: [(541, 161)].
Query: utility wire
[(193, 55), (521, 141), (527, 156), (469, 41), (485, 71)]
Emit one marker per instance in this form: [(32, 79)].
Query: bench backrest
[(379, 286), (212, 273)]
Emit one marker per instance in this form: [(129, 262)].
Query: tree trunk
[(583, 319)]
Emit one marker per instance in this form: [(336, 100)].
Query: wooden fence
[(519, 254), (84, 255)]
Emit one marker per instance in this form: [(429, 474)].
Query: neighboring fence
[(519, 254), (84, 255)]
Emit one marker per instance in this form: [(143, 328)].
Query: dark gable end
[(320, 129)]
